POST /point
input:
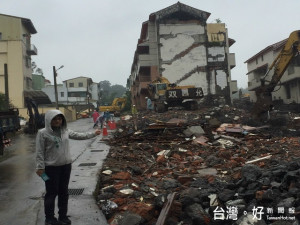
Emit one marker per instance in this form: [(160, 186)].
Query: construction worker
[(149, 104), (99, 121), (95, 115), (106, 115), (133, 110)]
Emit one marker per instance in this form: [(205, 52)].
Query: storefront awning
[(39, 97)]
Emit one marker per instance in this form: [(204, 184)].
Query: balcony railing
[(231, 60), (32, 50)]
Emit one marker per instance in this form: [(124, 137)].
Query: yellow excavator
[(165, 94), (116, 107), (264, 92)]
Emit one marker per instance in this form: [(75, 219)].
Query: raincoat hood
[(50, 115)]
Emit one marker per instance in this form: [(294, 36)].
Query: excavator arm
[(264, 92)]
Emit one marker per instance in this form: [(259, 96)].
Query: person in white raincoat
[(53, 161)]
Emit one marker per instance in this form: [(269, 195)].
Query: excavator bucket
[(263, 105)]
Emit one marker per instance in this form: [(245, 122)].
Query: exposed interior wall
[(217, 59), (186, 51), (221, 79), (183, 51), (190, 56), (216, 54)]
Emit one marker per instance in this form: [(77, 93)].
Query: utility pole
[(6, 86), (88, 100), (55, 87)]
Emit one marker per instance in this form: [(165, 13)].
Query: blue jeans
[(57, 185)]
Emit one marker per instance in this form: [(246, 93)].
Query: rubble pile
[(201, 167)]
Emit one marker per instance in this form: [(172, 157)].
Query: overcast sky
[(97, 38)]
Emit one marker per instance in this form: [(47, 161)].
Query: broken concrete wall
[(221, 79), (186, 56), (217, 59), (183, 51)]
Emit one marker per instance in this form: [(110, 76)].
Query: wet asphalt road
[(20, 188)]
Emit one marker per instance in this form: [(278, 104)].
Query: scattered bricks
[(190, 153), (176, 156), (161, 159), (142, 209), (225, 154), (259, 195), (122, 176), (231, 164), (120, 201), (236, 175), (271, 176), (210, 178), (196, 163), (118, 186), (184, 179), (240, 160)]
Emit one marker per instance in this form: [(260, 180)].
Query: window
[(71, 84), (161, 87), (297, 60), (291, 70), (262, 58), (77, 94), (0, 36), (288, 91), (256, 61), (62, 94), (291, 67), (80, 84)]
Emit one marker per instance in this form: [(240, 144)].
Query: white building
[(75, 91), (288, 89)]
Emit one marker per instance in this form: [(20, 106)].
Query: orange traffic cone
[(104, 130)]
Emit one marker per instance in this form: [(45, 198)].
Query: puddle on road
[(36, 197)]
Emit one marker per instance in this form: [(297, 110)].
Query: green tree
[(128, 101), (104, 92), (109, 92)]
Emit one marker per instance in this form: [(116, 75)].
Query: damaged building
[(287, 90), (177, 43)]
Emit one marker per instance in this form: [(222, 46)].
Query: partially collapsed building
[(178, 44)]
